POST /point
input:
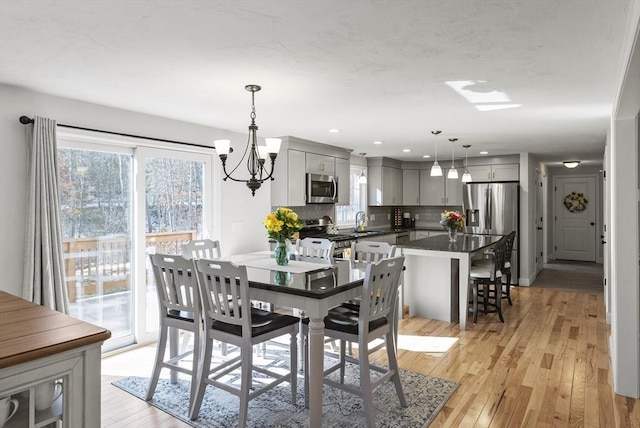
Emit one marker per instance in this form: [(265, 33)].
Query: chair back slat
[(371, 251), (511, 237), (499, 259), (201, 249), (380, 289), (224, 286), (176, 285), (310, 248)]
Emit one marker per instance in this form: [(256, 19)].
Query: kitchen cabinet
[(389, 238), (410, 187), (421, 234), (497, 172), (343, 173), (320, 164), (299, 157), (384, 184), (440, 190), (53, 348), (288, 189)]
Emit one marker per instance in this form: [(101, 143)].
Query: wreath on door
[(575, 202)]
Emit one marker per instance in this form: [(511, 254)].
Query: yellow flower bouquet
[(281, 225)]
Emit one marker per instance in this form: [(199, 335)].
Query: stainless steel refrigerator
[(493, 209)]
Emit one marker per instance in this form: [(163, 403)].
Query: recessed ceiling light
[(334, 130), (377, 142), (426, 156), (406, 150), (484, 153)]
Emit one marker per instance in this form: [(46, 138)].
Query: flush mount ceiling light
[(571, 164), (453, 172), (255, 155), (406, 150), (436, 171), (334, 130), (466, 177), (377, 142)]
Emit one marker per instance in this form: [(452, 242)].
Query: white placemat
[(294, 266)]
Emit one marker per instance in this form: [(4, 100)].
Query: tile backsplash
[(426, 216)]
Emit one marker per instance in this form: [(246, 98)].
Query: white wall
[(527, 220), (237, 220), (623, 185)]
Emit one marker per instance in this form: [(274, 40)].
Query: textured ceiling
[(376, 70)]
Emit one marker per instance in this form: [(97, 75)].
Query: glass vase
[(281, 253), (453, 235)]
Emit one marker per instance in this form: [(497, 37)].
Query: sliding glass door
[(120, 204), (173, 211)]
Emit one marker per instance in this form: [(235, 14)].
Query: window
[(346, 214), (120, 201)]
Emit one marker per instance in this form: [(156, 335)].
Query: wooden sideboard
[(39, 345)]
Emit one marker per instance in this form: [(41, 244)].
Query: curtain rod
[(25, 120)]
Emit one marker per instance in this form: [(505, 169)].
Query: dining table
[(310, 285)]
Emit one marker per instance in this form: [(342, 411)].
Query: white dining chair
[(223, 287), (197, 249), (314, 248), (180, 309), (201, 249), (371, 251), (373, 320)]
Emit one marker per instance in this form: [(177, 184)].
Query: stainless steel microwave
[(322, 189)]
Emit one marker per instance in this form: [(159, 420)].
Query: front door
[(575, 218)]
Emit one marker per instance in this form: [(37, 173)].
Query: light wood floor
[(547, 365)]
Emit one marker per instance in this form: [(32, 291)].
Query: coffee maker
[(407, 221)]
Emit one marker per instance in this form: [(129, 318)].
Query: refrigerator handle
[(487, 203)]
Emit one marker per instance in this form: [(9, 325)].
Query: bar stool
[(486, 278)]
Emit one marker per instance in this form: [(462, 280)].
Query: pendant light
[(453, 172), (466, 177), (363, 178), (436, 171)]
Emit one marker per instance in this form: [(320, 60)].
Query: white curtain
[(44, 281)]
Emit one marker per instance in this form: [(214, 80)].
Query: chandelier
[(254, 154)]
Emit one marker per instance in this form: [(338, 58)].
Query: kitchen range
[(317, 228)]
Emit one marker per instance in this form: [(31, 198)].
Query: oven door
[(322, 189)]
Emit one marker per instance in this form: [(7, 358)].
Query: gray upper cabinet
[(288, 189), (343, 173), (384, 182), (320, 164), (411, 187), (498, 172), (440, 190)]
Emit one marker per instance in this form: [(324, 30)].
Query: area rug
[(426, 395)]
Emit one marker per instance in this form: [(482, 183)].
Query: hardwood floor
[(547, 365)]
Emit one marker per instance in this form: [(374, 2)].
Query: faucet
[(361, 218)]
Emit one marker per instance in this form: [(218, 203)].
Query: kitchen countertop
[(464, 243)]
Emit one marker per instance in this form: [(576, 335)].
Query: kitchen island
[(436, 280)]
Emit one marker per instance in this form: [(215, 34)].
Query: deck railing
[(102, 264)]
